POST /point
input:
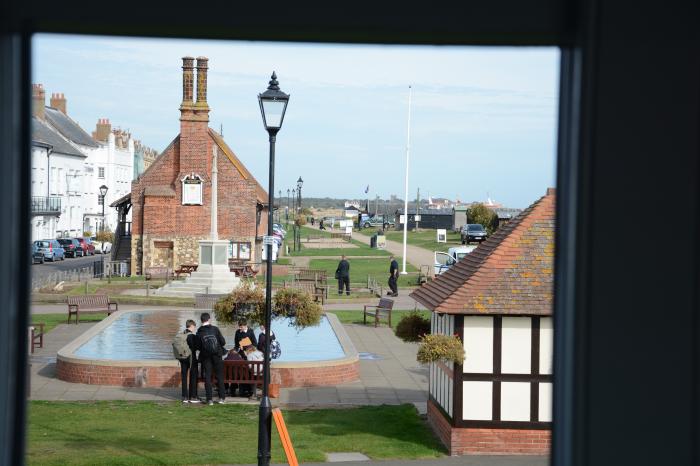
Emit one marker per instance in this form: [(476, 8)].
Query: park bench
[(158, 272), (344, 236), (240, 372), (383, 309), (36, 335), (206, 301), (313, 238), (319, 279), (243, 268), (185, 269), (320, 294), (90, 304)]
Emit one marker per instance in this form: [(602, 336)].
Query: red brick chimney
[(38, 101), (102, 130), (195, 154), (58, 101)]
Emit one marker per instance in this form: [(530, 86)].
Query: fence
[(98, 269)]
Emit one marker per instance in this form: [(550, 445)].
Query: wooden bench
[(158, 272), (383, 309), (313, 238), (90, 304), (319, 293), (240, 372), (319, 279), (186, 269), (206, 301), (36, 336)]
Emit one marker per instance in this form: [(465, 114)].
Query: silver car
[(51, 249)]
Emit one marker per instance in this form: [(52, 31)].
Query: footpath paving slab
[(475, 460)]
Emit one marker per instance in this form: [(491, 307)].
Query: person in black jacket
[(243, 332), (393, 277), (342, 274), (262, 337), (188, 367), (211, 343)]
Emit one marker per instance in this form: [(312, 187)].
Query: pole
[(103, 213), (265, 412), (417, 206), (405, 197)]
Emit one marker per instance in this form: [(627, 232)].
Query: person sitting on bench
[(251, 354)]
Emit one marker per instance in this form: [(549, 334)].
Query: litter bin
[(373, 241)]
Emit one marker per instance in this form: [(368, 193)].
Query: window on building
[(101, 172)]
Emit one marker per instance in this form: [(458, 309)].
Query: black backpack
[(275, 349), (210, 344)]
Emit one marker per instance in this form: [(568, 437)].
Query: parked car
[(473, 232), (51, 249), (101, 247), (37, 256), (445, 260), (72, 247), (378, 221), (88, 247)]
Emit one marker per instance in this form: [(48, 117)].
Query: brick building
[(171, 200), (498, 299)]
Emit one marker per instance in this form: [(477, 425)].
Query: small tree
[(479, 213), (105, 235)]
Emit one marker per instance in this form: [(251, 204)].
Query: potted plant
[(433, 348), (244, 302), (298, 305)]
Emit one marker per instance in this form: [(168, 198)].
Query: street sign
[(417, 218), (402, 219), (268, 240)]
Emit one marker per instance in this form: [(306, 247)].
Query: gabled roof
[(260, 193), (511, 273), (45, 134), (68, 128)]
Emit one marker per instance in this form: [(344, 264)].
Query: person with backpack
[(211, 350), (185, 346), (275, 349)]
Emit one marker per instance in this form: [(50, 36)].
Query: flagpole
[(405, 197)]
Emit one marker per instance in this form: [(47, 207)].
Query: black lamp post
[(103, 193), (273, 104), (286, 214), (300, 183)]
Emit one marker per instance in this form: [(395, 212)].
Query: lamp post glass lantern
[(103, 194), (273, 105)]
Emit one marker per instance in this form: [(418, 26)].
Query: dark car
[(473, 232), (88, 247), (51, 249), (72, 247), (37, 256)]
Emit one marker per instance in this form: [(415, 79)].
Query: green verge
[(52, 320), (426, 239), (355, 317), (136, 433), (361, 268)]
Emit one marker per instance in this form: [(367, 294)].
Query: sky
[(483, 119)]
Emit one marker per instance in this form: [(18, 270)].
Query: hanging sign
[(192, 190)]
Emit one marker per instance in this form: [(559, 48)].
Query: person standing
[(393, 277), (243, 332), (188, 366), (211, 350), (320, 225), (342, 274)]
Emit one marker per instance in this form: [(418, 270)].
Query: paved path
[(394, 377), (415, 255), (476, 460)]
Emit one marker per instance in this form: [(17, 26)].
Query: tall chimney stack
[(187, 83), (38, 101), (58, 101), (202, 83), (102, 130)]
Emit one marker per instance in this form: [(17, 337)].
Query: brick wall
[(465, 441)]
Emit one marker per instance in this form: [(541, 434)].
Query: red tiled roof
[(509, 273)]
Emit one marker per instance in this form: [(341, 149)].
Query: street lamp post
[(286, 213), (300, 183), (103, 193), (273, 104)]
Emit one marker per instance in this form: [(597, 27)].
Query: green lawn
[(136, 433), (52, 320), (361, 268), (355, 317), (426, 239)]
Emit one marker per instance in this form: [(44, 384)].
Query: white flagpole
[(405, 197)]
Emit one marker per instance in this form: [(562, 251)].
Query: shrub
[(105, 236), (299, 306), (244, 302), (434, 348), (413, 326)]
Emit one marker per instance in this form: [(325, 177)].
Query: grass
[(426, 239), (355, 317), (131, 433), (361, 268), (52, 320), (361, 250)]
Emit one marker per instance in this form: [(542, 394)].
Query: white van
[(445, 260)]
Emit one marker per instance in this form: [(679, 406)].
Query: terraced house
[(498, 300), (170, 202)]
